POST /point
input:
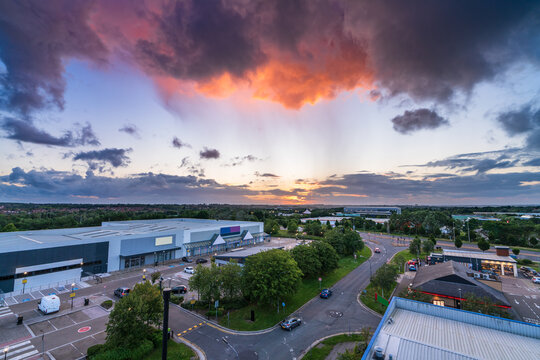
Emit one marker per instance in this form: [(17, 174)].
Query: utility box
[(502, 250)]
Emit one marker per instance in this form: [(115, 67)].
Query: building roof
[(240, 254), (478, 255), (415, 330), (39, 239), (449, 278)]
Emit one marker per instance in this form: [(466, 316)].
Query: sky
[(270, 102)]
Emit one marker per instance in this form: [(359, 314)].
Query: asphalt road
[(320, 317)]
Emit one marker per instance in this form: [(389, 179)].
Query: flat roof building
[(500, 264), (372, 210), (45, 257), (240, 256), (413, 330)]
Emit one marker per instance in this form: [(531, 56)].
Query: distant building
[(307, 212), (324, 220), (372, 210), (35, 259), (499, 263), (413, 330)]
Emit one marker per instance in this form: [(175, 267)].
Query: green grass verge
[(321, 350), (267, 315), (175, 351), (368, 297)]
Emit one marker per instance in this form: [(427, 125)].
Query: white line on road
[(517, 302)]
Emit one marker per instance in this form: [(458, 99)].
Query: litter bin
[(19, 320), (86, 301)]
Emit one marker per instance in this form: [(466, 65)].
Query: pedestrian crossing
[(5, 311), (20, 351)]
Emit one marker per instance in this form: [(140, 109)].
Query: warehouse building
[(413, 330), (39, 259)]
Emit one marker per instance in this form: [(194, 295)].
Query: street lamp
[(72, 295), (6, 349), (144, 274), (24, 281)]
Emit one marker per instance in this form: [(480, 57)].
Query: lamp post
[(468, 232), (166, 297), (6, 349), (72, 295), (144, 274), (459, 297), (25, 280)]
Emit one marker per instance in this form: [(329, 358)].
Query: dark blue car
[(325, 293)]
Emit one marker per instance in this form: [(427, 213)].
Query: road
[(320, 317)]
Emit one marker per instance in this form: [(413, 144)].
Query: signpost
[(216, 304), (24, 282), (72, 295), (320, 279)]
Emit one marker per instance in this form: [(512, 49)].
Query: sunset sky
[(270, 102)]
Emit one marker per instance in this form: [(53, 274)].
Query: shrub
[(107, 304), (525, 262), (213, 312), (177, 299), (138, 353), (95, 349)]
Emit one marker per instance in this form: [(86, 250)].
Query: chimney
[(502, 250)]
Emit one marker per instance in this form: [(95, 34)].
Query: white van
[(49, 304)]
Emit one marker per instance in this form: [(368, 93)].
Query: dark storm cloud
[(130, 129), (433, 49), (533, 162), (26, 132), (269, 175), (519, 121), (58, 186), (416, 120), (525, 120), (209, 154), (113, 156), (177, 143), (35, 39), (202, 39)]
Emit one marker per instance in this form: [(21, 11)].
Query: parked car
[(187, 260), (180, 289), (201, 261), (325, 293), (412, 267), (377, 250), (189, 270), (121, 292), (49, 304), (290, 324), (536, 280)]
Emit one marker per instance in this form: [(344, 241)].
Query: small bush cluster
[(177, 299), (100, 352), (107, 304)]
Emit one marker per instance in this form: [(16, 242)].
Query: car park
[(536, 280), (186, 259), (189, 270), (377, 250), (121, 292), (201, 261), (290, 323), (325, 293), (180, 289)]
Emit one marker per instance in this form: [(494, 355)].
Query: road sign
[(84, 329), (283, 304), (320, 279), (72, 295), (193, 301), (216, 304), (24, 281)]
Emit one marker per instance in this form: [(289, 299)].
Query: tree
[(292, 226), (206, 280), (427, 246), (345, 241), (533, 241), (458, 243), (432, 239), (415, 246), (483, 244), (327, 255), (515, 251), (307, 260), (385, 276), (482, 305), (270, 275), (155, 276), (271, 227), (230, 280), (398, 260), (140, 310), (9, 227)]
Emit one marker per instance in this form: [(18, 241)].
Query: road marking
[(84, 329), (21, 350), (517, 302)]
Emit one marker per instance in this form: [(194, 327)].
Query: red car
[(377, 250)]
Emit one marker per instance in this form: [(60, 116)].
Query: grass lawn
[(267, 315), (175, 351), (368, 298), (321, 351)]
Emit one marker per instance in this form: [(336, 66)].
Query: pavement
[(524, 296)]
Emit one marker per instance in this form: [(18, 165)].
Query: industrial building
[(372, 210), (413, 330), (239, 256), (39, 259), (499, 263)]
